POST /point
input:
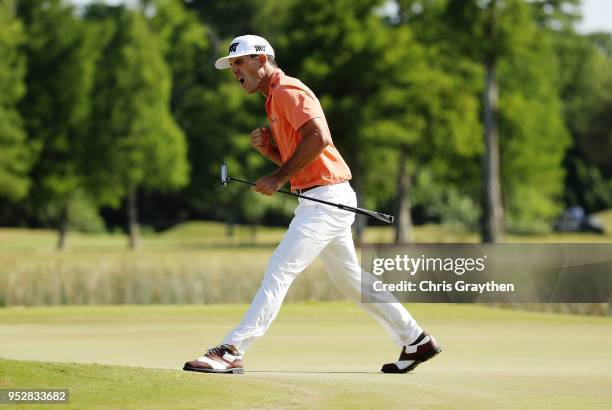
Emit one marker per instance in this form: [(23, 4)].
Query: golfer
[(301, 145)]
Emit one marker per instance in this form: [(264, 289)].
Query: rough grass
[(195, 262), (317, 355), (205, 276)]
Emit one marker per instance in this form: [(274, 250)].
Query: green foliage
[(449, 96), (15, 155), (593, 135), (489, 29), (135, 140), (228, 18), (56, 107), (113, 99), (534, 138), (585, 81), (214, 113), (185, 47), (83, 215), (557, 15), (381, 90), (445, 203), (588, 187)]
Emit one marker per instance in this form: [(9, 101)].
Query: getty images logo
[(232, 47)]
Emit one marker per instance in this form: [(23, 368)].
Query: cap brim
[(223, 62)]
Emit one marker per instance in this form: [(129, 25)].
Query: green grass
[(186, 237), (316, 355), (119, 387), (198, 235)]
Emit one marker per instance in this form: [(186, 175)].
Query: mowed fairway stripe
[(320, 354)]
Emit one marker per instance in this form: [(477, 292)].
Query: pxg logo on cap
[(245, 45)]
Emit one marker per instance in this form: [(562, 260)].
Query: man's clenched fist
[(260, 139)]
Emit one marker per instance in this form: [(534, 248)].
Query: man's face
[(247, 71)]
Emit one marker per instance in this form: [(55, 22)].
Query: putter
[(225, 180)]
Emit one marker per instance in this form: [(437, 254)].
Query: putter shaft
[(378, 215)]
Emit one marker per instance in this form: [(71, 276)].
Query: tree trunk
[(361, 221), (229, 224), (133, 228), (403, 227), (63, 226), (493, 215), (253, 233)]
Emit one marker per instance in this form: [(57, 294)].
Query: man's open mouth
[(241, 80)]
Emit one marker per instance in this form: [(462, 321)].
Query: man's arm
[(315, 138)]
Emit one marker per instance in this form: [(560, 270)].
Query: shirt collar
[(274, 81)]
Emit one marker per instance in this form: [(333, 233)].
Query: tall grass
[(195, 263), (585, 309), (192, 277), (208, 276)]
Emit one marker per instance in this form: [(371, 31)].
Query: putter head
[(224, 175), (385, 218)]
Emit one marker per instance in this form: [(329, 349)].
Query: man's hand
[(260, 139), (269, 184)]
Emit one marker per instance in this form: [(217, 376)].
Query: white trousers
[(323, 230)]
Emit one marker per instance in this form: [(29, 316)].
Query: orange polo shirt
[(290, 105)]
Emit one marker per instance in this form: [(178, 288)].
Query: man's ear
[(263, 59)]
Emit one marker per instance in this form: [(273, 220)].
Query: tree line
[(493, 115)]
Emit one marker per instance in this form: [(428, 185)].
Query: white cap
[(245, 45)]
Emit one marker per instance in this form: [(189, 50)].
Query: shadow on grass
[(309, 372)]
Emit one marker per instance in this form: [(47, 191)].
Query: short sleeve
[(296, 106)]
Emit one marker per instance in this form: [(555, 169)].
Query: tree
[(393, 106), (135, 141), (186, 50), (503, 37), (215, 115), (331, 48), (585, 64), (227, 18), (15, 156), (595, 137), (441, 99), (56, 106)]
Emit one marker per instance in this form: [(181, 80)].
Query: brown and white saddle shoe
[(220, 359), (421, 350)]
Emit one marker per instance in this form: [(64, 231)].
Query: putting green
[(320, 355)]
